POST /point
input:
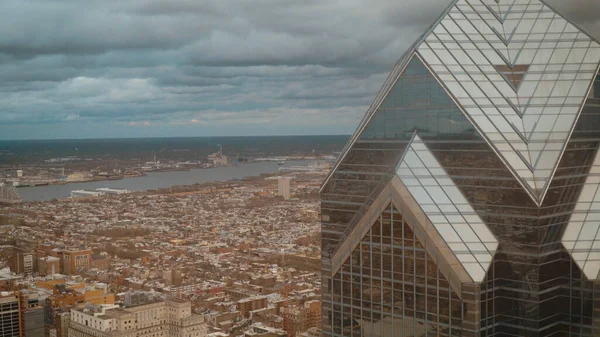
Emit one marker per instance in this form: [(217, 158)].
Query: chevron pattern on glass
[(528, 124), (448, 210), (582, 236)]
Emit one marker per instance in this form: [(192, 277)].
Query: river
[(155, 180)]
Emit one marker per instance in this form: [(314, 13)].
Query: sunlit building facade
[(467, 203)]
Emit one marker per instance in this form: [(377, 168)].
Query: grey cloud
[(31, 29), (168, 8), (212, 61)]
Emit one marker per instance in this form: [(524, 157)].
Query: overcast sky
[(148, 68)]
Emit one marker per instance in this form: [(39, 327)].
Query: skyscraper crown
[(519, 71)]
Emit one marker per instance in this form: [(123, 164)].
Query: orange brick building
[(76, 261), (100, 262), (69, 295), (246, 305)]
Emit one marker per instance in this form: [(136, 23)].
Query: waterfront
[(226, 249), (155, 180)]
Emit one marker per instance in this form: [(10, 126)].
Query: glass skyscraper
[(467, 203)]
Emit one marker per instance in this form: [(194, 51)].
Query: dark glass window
[(390, 284)]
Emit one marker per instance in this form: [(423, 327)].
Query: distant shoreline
[(168, 138), (154, 180)]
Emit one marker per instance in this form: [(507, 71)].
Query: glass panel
[(417, 297)]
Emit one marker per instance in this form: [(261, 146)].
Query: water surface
[(155, 180)]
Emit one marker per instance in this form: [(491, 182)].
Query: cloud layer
[(127, 68)]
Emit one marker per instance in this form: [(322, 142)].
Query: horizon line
[(167, 137)]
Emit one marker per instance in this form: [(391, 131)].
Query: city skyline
[(290, 168), (149, 69)]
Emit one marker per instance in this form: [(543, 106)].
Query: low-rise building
[(48, 265), (238, 293), (59, 325), (302, 318), (246, 305), (8, 279), (101, 262), (206, 287), (23, 261), (261, 330), (171, 318)]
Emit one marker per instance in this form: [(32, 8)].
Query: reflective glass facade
[(468, 203), (390, 286)]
